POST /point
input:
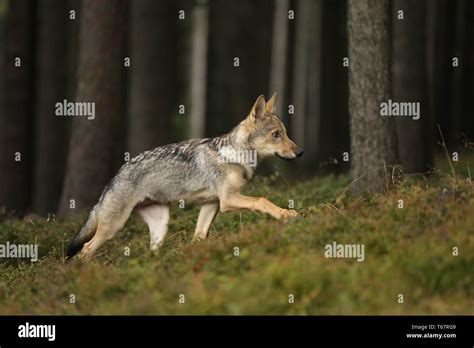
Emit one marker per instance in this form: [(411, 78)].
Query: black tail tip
[(73, 249)]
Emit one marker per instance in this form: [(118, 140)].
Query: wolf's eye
[(276, 134)]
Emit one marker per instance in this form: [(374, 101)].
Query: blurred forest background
[(161, 71)]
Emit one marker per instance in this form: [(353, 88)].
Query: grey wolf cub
[(208, 171)]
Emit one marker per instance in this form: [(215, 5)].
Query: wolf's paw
[(84, 257), (155, 247), (288, 214), (197, 239)]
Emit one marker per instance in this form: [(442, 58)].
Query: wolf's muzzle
[(299, 152)]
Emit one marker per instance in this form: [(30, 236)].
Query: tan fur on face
[(259, 127), (267, 145)]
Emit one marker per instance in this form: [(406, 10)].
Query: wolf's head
[(266, 133)]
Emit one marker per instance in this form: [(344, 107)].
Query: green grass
[(407, 251)]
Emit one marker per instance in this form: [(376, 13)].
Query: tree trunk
[(199, 68), (152, 74), (305, 122), (463, 75), (51, 87), (300, 71), (373, 137), (458, 72), (15, 116), (466, 124), (415, 137), (312, 113), (242, 39), (334, 128), (73, 30), (440, 47), (3, 149), (279, 53), (94, 143)]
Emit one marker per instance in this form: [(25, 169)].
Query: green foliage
[(408, 251)]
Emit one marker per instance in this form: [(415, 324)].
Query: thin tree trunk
[(94, 143), (334, 129), (313, 90), (16, 115), (466, 123), (373, 137), (300, 78), (440, 46), (305, 123), (241, 37), (3, 149), (415, 140), (152, 74), (279, 53), (51, 87), (463, 76), (73, 30), (199, 67), (459, 71)]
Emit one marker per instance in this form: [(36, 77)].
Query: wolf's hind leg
[(109, 223), (157, 217), (206, 216), (102, 234)]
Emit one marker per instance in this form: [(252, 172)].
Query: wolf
[(199, 171)]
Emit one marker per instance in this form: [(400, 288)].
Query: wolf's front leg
[(237, 201)]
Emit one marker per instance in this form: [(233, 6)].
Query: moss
[(408, 251)]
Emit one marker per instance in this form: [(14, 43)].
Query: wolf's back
[(83, 236)]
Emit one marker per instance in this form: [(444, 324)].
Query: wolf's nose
[(299, 152)]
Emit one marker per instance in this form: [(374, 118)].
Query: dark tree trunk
[(94, 145), (289, 73), (313, 113), (458, 73), (244, 35), (334, 139), (373, 137), (440, 46), (466, 124), (51, 87), (73, 29), (415, 137), (305, 123), (152, 73), (16, 114)]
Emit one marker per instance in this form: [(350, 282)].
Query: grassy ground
[(408, 251)]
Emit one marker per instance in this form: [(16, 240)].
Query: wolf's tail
[(84, 235)]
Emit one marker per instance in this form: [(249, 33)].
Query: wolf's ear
[(270, 106), (258, 109)]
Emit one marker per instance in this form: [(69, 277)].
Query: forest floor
[(408, 251)]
